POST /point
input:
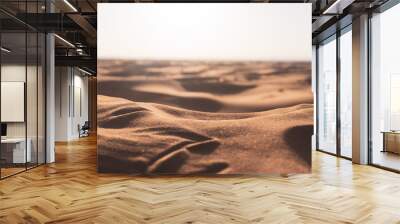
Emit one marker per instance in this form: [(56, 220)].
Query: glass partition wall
[(22, 98), (385, 89), (13, 89), (334, 83)]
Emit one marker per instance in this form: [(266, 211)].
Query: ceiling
[(75, 21)]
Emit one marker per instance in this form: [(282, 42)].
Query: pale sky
[(228, 31)]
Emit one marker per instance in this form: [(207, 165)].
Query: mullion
[(338, 96), (37, 90), (317, 95), (26, 87)]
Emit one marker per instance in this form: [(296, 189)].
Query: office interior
[(48, 80), (28, 45), (28, 110)]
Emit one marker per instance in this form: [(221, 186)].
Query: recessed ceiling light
[(337, 7), (5, 50), (70, 5), (65, 41), (84, 71)]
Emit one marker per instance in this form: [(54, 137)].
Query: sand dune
[(202, 117), (160, 139)]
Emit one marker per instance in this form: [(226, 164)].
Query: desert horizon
[(204, 117)]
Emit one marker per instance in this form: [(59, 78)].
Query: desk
[(391, 141), (13, 150)]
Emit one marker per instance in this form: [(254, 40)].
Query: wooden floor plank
[(71, 191)]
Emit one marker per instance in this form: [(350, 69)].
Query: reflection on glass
[(385, 89), (346, 94), (327, 97)]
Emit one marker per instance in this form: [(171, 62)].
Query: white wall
[(16, 73), (80, 104), (62, 81), (70, 83), (82, 83)]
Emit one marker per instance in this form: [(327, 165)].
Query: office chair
[(84, 130)]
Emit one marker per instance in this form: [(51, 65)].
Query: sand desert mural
[(216, 116)]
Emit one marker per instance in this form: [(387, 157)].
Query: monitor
[(3, 129)]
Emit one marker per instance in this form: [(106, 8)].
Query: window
[(334, 106), (345, 93), (327, 96), (385, 89)]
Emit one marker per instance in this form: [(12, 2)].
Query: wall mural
[(204, 88)]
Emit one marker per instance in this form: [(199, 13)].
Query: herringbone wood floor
[(70, 191)]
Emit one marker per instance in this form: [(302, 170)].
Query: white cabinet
[(19, 155)]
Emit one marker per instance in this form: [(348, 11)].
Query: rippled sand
[(181, 117)]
